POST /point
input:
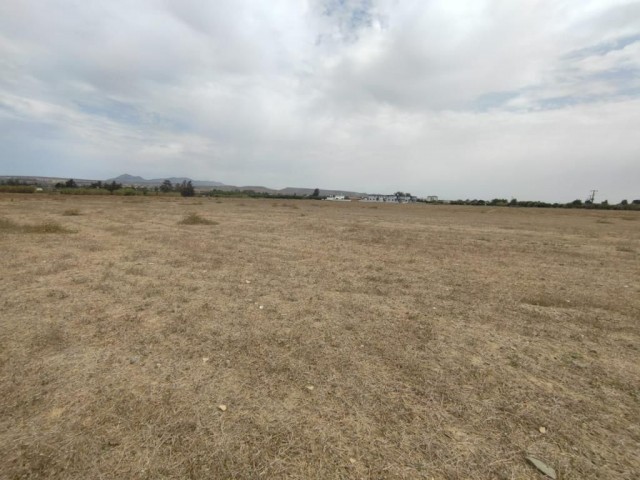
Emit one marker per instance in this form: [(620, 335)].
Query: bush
[(17, 188), (10, 226), (195, 219), (83, 191), (45, 227)]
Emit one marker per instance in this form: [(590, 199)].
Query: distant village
[(398, 197)]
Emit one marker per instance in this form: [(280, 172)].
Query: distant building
[(337, 198), (380, 198), (390, 198)]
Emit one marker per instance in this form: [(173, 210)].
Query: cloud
[(458, 98)]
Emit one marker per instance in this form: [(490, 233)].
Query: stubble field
[(346, 340)]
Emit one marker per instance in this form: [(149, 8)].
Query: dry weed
[(71, 212), (195, 219), (10, 226)]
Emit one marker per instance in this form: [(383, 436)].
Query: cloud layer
[(462, 99)]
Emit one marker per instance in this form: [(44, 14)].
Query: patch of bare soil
[(343, 340)]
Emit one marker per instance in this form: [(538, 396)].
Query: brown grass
[(405, 342)]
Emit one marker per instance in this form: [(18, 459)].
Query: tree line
[(501, 202), (184, 188)]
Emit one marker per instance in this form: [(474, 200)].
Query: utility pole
[(592, 196)]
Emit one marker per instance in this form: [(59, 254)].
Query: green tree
[(113, 186), (316, 193), (71, 183), (186, 189), (166, 186)]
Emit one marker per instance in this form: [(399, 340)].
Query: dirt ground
[(346, 340)]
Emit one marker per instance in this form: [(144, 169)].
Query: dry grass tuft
[(195, 219), (71, 212), (46, 227), (10, 226)]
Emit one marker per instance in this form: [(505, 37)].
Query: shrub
[(45, 227), (17, 188), (195, 219), (10, 226), (83, 191)]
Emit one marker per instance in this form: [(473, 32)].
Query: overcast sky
[(461, 99)]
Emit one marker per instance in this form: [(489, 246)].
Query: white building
[(337, 198), (390, 198)]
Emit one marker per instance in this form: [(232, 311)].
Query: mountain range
[(134, 180), (127, 179)]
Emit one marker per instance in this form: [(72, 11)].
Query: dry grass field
[(346, 340)]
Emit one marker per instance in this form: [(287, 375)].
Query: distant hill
[(44, 180), (127, 179), (289, 191), (134, 180)]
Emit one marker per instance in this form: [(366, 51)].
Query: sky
[(526, 99)]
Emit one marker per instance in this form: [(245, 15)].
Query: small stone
[(133, 360), (542, 430), (309, 387), (247, 281), (222, 408), (205, 359), (352, 460), (261, 307)]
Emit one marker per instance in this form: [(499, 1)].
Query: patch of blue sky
[(618, 75), (602, 48), (556, 103), (493, 100), (117, 111), (27, 127), (5, 107), (361, 16), (351, 15), (502, 100), (127, 114)]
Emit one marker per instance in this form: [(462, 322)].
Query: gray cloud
[(460, 99)]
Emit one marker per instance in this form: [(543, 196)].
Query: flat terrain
[(346, 340)]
